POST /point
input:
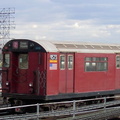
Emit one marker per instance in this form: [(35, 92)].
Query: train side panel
[(52, 84), (92, 81), (60, 73)]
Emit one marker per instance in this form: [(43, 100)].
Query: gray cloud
[(80, 20)]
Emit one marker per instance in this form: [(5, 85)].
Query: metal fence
[(99, 108)]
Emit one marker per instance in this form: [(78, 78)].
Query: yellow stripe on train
[(53, 61)]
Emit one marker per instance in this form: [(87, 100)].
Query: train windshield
[(6, 60), (23, 61)]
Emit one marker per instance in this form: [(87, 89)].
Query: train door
[(36, 72), (20, 71), (117, 71), (66, 79)]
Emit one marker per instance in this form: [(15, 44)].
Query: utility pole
[(6, 24)]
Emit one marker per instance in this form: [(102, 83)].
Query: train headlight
[(7, 83), (30, 85)]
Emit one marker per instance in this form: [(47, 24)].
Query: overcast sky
[(70, 20)]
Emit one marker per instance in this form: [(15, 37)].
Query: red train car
[(43, 70)]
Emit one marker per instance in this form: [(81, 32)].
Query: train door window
[(6, 60), (118, 61), (70, 62), (62, 62), (23, 61)]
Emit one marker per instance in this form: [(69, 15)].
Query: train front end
[(24, 70)]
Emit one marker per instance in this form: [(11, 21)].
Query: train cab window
[(1, 60), (70, 62), (96, 64), (62, 62), (6, 60), (118, 61), (23, 61)]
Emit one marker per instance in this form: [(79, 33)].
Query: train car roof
[(80, 47)]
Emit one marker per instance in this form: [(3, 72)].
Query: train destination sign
[(24, 45)]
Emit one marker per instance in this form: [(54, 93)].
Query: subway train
[(39, 71)]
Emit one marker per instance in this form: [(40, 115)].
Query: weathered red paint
[(94, 81), (47, 79)]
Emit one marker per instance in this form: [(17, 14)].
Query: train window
[(118, 61), (96, 64), (23, 61), (88, 59), (6, 60), (70, 62), (95, 59), (90, 66), (103, 59), (101, 66), (1, 60), (62, 62)]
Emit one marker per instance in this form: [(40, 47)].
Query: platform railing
[(97, 105)]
